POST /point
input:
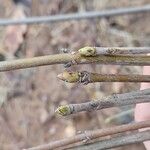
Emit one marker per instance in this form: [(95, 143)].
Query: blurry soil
[(29, 97)]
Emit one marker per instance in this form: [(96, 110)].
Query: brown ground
[(29, 97)]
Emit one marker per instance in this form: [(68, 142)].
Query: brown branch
[(118, 141), (88, 77), (73, 59), (92, 135), (34, 62), (107, 102), (93, 51)]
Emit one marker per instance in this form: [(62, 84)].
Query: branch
[(77, 16), (73, 59), (118, 141), (91, 135), (36, 61), (93, 51), (88, 77), (107, 102), (118, 116)]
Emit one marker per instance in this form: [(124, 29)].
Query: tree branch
[(93, 51), (77, 16), (116, 141), (107, 102), (73, 59), (91, 135), (88, 77), (119, 116)]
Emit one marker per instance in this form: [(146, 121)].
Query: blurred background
[(29, 97)]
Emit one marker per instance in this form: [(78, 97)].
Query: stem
[(107, 102), (73, 59), (77, 16), (92, 135), (88, 77), (119, 116), (93, 51), (116, 141), (34, 62)]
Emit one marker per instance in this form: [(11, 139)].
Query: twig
[(73, 59), (92, 135), (119, 115), (107, 102), (36, 61), (65, 110), (88, 77), (93, 51), (77, 16), (116, 141)]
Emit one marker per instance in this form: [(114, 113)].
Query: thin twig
[(73, 59), (35, 61), (77, 16), (116, 141), (107, 102), (93, 51), (119, 116), (91, 135), (88, 77)]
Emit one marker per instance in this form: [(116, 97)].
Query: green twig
[(116, 141), (93, 134), (88, 77), (107, 102)]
